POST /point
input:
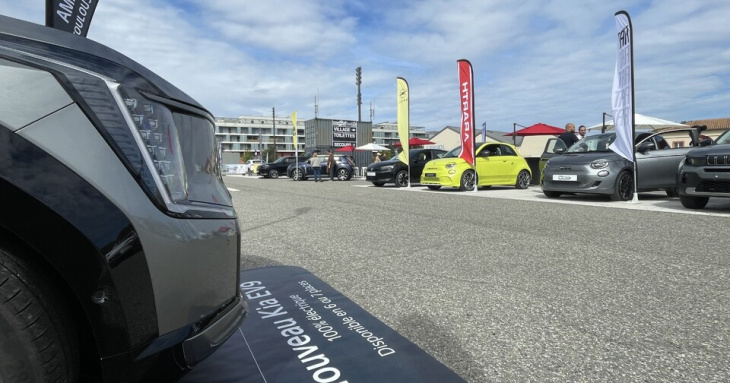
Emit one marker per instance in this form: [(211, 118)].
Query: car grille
[(718, 160), (714, 186), (570, 184)]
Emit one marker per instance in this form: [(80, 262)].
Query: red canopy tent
[(415, 141), (538, 129), (348, 148)]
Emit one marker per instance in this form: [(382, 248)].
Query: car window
[(453, 153), (724, 138), (662, 143), (595, 143), (553, 144), (507, 151)]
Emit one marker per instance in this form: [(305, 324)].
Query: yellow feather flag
[(403, 122), (294, 132)]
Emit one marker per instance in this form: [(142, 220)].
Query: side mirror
[(559, 150), (706, 142), (645, 146)]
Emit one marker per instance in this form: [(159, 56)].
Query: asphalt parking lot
[(507, 285)]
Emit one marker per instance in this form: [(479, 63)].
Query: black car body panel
[(343, 172), (705, 173), (85, 198), (385, 171), (278, 167)]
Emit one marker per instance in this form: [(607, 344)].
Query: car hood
[(583, 158), (378, 165), (443, 161), (712, 150)]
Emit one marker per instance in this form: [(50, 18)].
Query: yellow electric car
[(497, 163)]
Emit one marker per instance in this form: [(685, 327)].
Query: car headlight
[(696, 161), (387, 168), (599, 164), (451, 165)]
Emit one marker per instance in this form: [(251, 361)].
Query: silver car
[(589, 166)]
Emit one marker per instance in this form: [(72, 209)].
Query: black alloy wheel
[(273, 173), (401, 179), (467, 181), (523, 180), (624, 187)]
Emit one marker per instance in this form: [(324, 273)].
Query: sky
[(533, 61)]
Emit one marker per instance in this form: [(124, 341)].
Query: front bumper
[(378, 176), (200, 345), (579, 179), (700, 182), (440, 178)]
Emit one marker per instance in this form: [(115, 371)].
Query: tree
[(270, 152)]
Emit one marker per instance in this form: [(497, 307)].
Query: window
[(677, 144), (507, 151)]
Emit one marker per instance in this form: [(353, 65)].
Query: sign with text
[(73, 16), (299, 329), (344, 133)]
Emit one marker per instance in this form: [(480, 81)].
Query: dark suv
[(343, 172), (119, 244), (395, 171), (278, 167), (705, 173)]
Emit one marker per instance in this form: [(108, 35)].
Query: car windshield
[(724, 138), (453, 153), (280, 160), (596, 143)]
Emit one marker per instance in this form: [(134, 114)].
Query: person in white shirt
[(316, 164)]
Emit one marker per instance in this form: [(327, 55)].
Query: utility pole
[(273, 123), (358, 81)]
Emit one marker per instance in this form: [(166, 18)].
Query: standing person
[(377, 157), (568, 137), (331, 164), (581, 134), (316, 164)]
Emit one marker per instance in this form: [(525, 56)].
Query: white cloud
[(548, 62)]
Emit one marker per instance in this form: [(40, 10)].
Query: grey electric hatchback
[(119, 244)]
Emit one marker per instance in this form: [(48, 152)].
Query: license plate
[(565, 177), (370, 174), (430, 175)]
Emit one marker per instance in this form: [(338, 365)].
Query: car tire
[(39, 340), (623, 189), (672, 192), (433, 187), (551, 194), (693, 202), (296, 175), (273, 173), (378, 184), (467, 181), (523, 180), (343, 174), (401, 179)]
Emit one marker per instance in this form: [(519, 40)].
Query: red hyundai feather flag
[(466, 91)]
